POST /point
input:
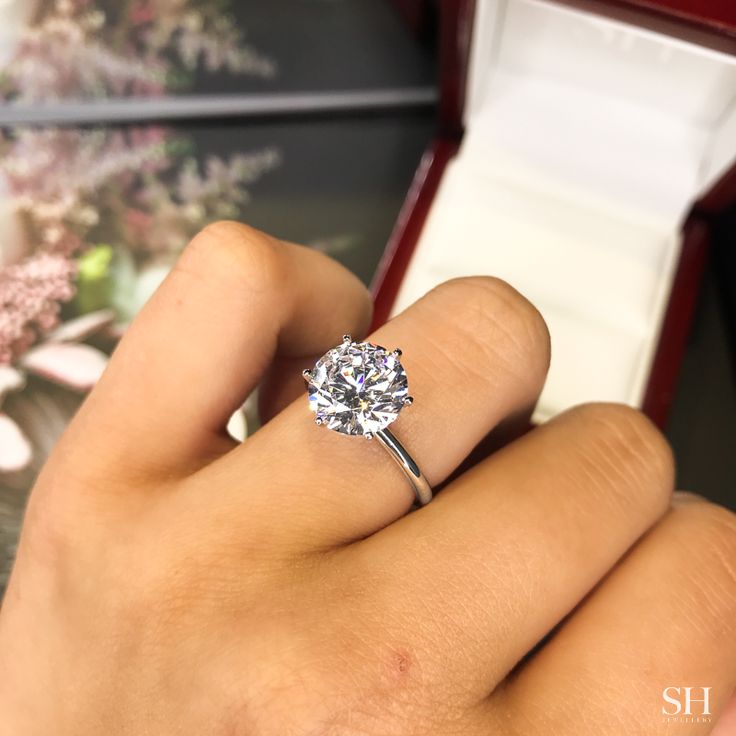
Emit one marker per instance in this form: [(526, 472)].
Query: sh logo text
[(682, 700)]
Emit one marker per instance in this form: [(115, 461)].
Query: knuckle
[(234, 251), (47, 538), (59, 520), (628, 447), (490, 314)]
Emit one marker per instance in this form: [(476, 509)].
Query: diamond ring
[(358, 388)]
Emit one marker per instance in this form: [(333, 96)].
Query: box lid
[(709, 22), (599, 107), (714, 18)]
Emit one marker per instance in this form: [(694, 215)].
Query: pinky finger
[(653, 650)]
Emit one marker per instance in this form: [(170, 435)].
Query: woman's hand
[(169, 581)]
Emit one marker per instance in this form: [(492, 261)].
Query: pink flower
[(141, 13), (73, 51), (59, 359), (15, 449), (138, 222), (30, 294), (64, 57)]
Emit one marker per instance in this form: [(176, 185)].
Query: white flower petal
[(82, 327), (75, 366), (10, 380), (15, 449)]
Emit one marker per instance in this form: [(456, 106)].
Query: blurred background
[(128, 126)]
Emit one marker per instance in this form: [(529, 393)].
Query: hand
[(169, 581)]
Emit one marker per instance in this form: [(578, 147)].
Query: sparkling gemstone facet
[(357, 388)]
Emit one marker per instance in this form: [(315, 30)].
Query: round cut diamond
[(357, 388)]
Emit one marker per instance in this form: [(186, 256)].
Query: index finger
[(235, 298)]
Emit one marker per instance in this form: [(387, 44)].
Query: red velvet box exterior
[(710, 23)]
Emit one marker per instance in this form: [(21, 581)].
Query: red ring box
[(583, 148)]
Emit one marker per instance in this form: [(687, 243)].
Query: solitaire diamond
[(357, 388)]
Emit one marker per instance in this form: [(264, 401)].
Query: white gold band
[(422, 489)]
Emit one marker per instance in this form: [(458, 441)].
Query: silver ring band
[(422, 489)]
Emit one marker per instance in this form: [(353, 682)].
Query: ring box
[(583, 149)]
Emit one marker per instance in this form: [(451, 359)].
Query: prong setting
[(397, 352), (408, 401), (357, 388)]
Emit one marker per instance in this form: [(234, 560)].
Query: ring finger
[(475, 352)]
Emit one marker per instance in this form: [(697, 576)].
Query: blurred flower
[(63, 57), (218, 47), (73, 51), (170, 213), (49, 170), (60, 359), (63, 359), (106, 206), (15, 449), (30, 293)]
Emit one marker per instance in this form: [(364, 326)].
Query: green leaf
[(94, 264), (94, 281)]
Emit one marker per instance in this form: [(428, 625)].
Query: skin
[(169, 581)]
